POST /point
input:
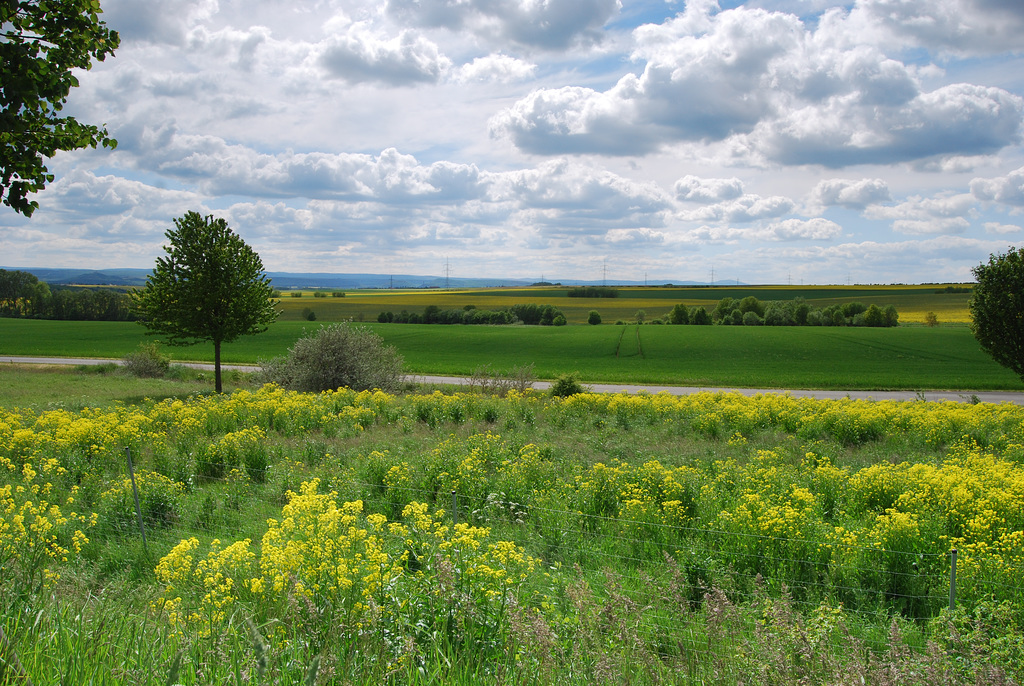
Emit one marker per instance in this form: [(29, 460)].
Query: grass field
[(913, 358), (912, 302)]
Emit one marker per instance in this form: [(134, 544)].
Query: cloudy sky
[(770, 141)]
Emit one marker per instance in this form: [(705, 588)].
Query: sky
[(763, 142)]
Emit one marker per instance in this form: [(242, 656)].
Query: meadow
[(365, 538)]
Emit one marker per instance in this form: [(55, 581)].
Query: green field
[(753, 357), (912, 302)]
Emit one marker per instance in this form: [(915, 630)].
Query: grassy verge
[(76, 387), (754, 357)]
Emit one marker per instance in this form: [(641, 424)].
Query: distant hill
[(88, 277), (292, 280)]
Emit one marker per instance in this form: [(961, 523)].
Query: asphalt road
[(958, 396)]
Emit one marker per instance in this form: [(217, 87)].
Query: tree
[(997, 308), (679, 314), (700, 316), (873, 316), (22, 294), (210, 287), (41, 44), (594, 318)]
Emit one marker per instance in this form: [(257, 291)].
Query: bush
[(594, 318), (147, 361), (335, 356), (566, 385), (308, 314)]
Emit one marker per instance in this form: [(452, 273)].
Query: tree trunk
[(216, 364)]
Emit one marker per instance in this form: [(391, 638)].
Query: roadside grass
[(47, 387), (915, 358)]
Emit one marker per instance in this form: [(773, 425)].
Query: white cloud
[(500, 68), (963, 26), (167, 21), (1008, 189), (551, 24), (943, 214), (360, 54), (793, 94), (575, 120), (1000, 229), (695, 189), (850, 194), (580, 199), (816, 229), (953, 120), (746, 208)]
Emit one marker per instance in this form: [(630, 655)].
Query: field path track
[(958, 396)]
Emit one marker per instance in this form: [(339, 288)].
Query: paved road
[(960, 396)]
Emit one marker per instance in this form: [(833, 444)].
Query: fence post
[(952, 580), (135, 492)]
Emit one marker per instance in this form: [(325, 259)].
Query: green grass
[(75, 387), (753, 357)]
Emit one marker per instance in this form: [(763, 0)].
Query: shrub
[(566, 385), (335, 356), (559, 320), (308, 314), (147, 361), (296, 294), (594, 318)]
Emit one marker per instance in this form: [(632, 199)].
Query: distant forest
[(23, 295)]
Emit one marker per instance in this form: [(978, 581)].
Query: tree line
[(750, 311), (23, 295), (526, 313)]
